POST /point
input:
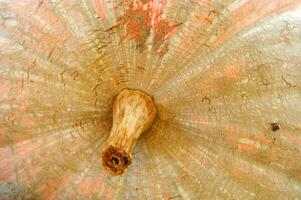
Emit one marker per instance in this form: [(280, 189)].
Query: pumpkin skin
[(225, 76)]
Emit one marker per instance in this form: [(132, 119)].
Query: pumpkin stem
[(133, 113)]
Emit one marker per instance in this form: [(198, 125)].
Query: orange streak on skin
[(296, 139), (272, 155), (263, 139), (150, 188), (234, 69), (163, 188), (230, 71), (235, 135), (84, 188), (241, 171), (53, 185), (27, 170), (43, 45), (206, 18), (255, 10), (157, 8), (252, 173), (30, 10), (248, 148), (163, 31), (190, 39), (17, 139), (21, 151), (51, 188), (35, 15), (241, 146), (137, 29), (88, 186), (101, 8), (108, 193), (29, 121), (2, 137), (138, 20), (238, 173), (3, 90), (32, 13)]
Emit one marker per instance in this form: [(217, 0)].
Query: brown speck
[(274, 126)]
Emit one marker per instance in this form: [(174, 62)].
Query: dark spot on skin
[(274, 126), (115, 161)]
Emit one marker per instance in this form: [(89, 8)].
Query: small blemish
[(274, 126), (115, 161)]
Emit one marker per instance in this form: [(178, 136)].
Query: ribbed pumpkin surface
[(225, 75)]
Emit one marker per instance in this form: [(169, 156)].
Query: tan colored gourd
[(224, 74)]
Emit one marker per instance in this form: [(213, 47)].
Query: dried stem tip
[(133, 113)]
